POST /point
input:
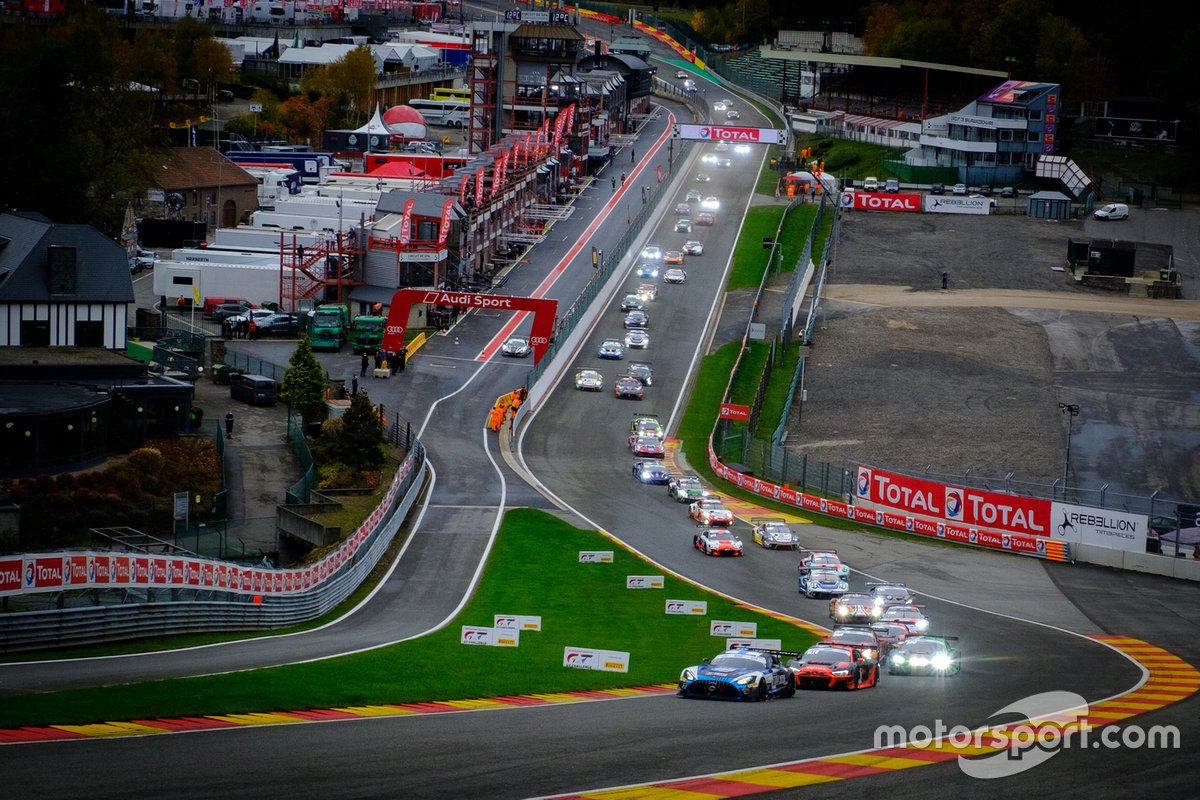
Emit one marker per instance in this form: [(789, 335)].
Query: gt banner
[(721, 627), (644, 582), (687, 607), (490, 637), (595, 556), (1101, 527), (870, 201), (517, 622), (957, 205), (589, 658), (740, 643)]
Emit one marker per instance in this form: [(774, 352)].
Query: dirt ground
[(905, 375)]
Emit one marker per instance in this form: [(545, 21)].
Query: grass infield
[(533, 570)]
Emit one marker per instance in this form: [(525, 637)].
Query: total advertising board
[(34, 573), (731, 133), (926, 508), (877, 201)]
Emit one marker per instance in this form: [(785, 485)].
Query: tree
[(304, 383), (359, 443)]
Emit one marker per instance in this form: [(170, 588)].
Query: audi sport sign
[(728, 133), (870, 201)]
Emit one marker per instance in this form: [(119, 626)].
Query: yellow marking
[(255, 719), (555, 697), (1134, 704), (650, 793), (962, 749), (474, 704), (780, 779), (100, 729), (879, 762), (376, 711)]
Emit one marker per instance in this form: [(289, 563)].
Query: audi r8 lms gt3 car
[(703, 177), (710, 203), (674, 275), (516, 347), (720, 106), (924, 655), (742, 149), (683, 209), (710, 511), (774, 534), (855, 636), (722, 147), (709, 158), (626, 388), (828, 665), (824, 559), (717, 542), (685, 488), (705, 218), (725, 162), (911, 616), (738, 675), (692, 196), (589, 380), (889, 635), (683, 226), (693, 248), (643, 372), (818, 582), (631, 302), (645, 425), (647, 446), (652, 252), (611, 348), (854, 607), (680, 74), (637, 339), (647, 270), (891, 594), (733, 114), (673, 257), (651, 472), (647, 291)]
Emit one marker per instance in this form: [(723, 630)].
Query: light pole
[(1072, 411)]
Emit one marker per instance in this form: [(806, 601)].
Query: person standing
[(945, 280), (632, 155), (402, 357), (622, 178), (613, 179), (362, 366), (353, 385), (181, 304), (379, 358), (252, 328), (229, 425)]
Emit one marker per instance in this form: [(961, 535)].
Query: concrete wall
[(1185, 568)]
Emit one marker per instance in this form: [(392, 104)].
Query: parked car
[(986, 190), (278, 325), (1008, 191), (891, 186), (1112, 211), (871, 184), (937, 188), (959, 188)]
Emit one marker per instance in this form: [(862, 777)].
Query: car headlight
[(747, 680), (941, 661), (688, 675), (843, 611), (922, 624), (841, 673), (876, 612), (898, 659)]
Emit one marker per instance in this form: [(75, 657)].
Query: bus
[(443, 93), (447, 113)]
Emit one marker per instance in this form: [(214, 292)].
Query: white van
[(870, 185), (1112, 211)]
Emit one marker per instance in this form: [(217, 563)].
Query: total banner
[(1100, 526), (871, 201)]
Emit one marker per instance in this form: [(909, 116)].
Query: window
[(1006, 135), (1034, 136), (1034, 114), (89, 333), (35, 333)]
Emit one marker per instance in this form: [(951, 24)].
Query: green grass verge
[(745, 383), (777, 393), (749, 257), (533, 570)]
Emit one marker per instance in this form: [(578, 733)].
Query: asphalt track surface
[(575, 444)]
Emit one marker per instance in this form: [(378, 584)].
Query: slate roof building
[(61, 285)]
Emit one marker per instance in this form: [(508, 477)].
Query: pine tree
[(304, 383), (359, 443)]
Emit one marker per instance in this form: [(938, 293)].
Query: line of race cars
[(880, 629)]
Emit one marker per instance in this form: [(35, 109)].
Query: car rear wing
[(888, 583), (762, 520)]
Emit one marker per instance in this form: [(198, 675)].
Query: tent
[(828, 181), (398, 169), (405, 122)]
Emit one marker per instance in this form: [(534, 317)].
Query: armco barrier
[(213, 595)]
